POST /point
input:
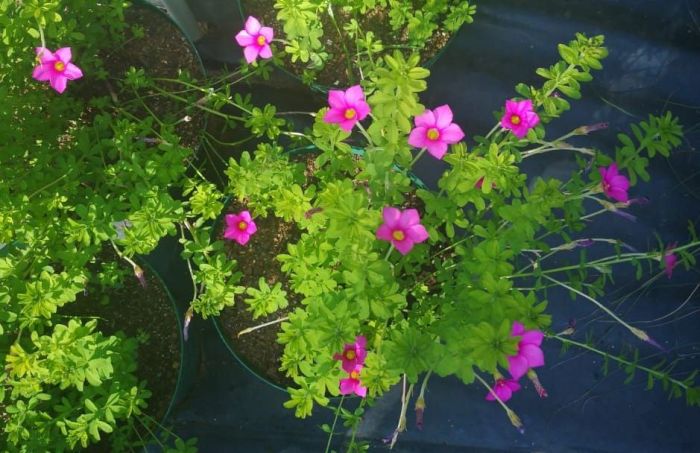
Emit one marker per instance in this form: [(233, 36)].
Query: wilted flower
[(670, 259), (354, 354), (255, 40), (614, 184), (352, 383), (239, 227), (402, 229), (346, 107), (504, 389), (56, 68), (529, 353), (519, 117), (435, 130)]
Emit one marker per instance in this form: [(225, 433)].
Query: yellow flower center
[(354, 375), (261, 40), (350, 114), (59, 66), (515, 119), (398, 235), (350, 355), (433, 134), (242, 225)]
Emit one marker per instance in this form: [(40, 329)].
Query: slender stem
[(46, 186), (590, 348), (494, 129), (189, 265), (354, 428), (418, 156), (512, 416), (348, 61), (41, 36), (391, 249), (636, 332), (335, 420), (363, 131), (260, 326)]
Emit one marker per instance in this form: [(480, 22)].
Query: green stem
[(41, 35), (55, 181), (590, 348), (348, 61), (354, 429), (335, 420), (391, 249), (636, 332), (363, 131), (514, 419), (418, 156)]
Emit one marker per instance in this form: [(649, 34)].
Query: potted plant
[(384, 284), (84, 166)]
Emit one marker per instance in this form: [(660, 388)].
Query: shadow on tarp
[(653, 65)]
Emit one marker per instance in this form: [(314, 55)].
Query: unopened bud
[(138, 272), (420, 408), (515, 420), (188, 318), (585, 130), (536, 383)]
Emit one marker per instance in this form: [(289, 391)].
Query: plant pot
[(258, 351), (331, 75)]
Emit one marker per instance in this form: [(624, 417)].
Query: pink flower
[(402, 229), (435, 130), (56, 68), (480, 183), (613, 183), (519, 117), (670, 259), (529, 353), (240, 227), (354, 354), (255, 40), (504, 389), (352, 383), (347, 107)]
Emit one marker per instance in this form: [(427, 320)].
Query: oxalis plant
[(399, 283), (82, 171)]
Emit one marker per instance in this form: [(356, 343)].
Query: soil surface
[(259, 349), (336, 71), (145, 313), (161, 52)]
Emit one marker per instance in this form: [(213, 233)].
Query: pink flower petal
[(425, 119), (268, 33), (417, 137), (451, 134), (618, 194), (64, 54), (362, 109), (244, 39), (409, 217), (517, 366), (334, 116), (384, 233), (58, 82), (437, 149), (252, 25), (391, 216), (250, 53), (532, 337), (42, 73), (45, 55), (443, 116), (518, 329), (404, 246), (533, 354), (336, 99), (417, 233), (361, 341), (243, 238), (347, 386), (504, 392), (265, 52), (252, 228), (72, 72), (347, 125), (360, 391), (620, 182), (354, 95)]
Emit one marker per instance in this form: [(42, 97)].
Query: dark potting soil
[(259, 349), (143, 313), (336, 71), (162, 52)]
